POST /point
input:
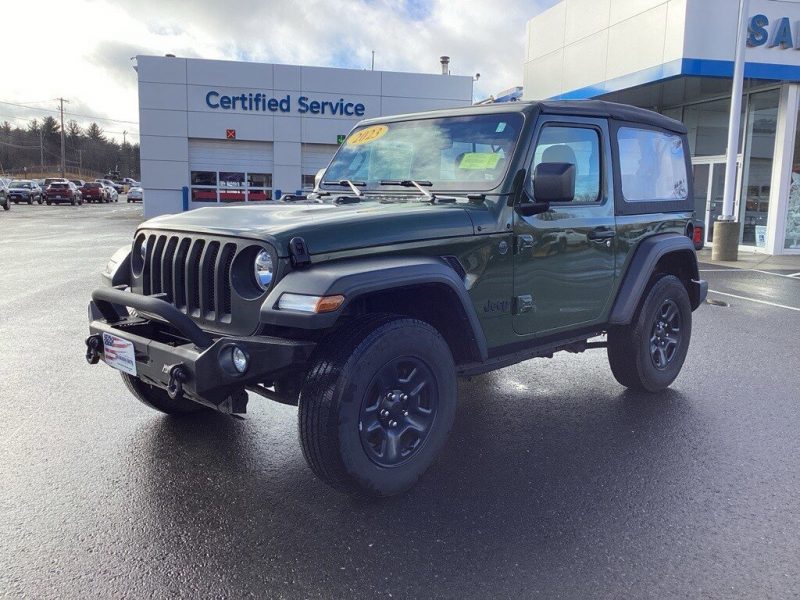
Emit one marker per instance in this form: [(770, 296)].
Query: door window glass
[(579, 146), (652, 165)]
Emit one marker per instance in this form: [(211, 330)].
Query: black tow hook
[(177, 377), (93, 345)]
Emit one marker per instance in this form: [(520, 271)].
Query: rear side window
[(652, 165)]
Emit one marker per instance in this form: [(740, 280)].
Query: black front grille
[(193, 274)]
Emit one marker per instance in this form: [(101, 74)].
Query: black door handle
[(601, 234)]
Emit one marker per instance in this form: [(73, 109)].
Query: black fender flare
[(641, 267), (354, 278)]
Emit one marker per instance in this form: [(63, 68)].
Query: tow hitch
[(177, 377), (93, 345)]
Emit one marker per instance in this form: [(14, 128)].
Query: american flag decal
[(119, 353)]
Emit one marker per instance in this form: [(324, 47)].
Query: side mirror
[(554, 182)]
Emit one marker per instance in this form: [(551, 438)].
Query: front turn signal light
[(310, 304)]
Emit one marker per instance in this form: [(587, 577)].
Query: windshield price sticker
[(479, 160), (365, 136)]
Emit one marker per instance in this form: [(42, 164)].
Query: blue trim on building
[(696, 67)]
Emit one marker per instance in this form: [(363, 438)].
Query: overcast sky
[(82, 49)]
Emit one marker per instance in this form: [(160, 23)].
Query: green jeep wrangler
[(437, 245)]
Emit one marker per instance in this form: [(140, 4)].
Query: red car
[(94, 192), (63, 192)]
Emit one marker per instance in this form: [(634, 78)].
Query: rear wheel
[(377, 405), (158, 399), (30, 200), (7, 205), (648, 353)]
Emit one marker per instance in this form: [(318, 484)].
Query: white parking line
[(731, 270), (776, 274), (734, 270), (775, 304)]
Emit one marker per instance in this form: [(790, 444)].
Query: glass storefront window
[(762, 121), (707, 123), (230, 186), (792, 240)]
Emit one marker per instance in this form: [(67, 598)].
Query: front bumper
[(166, 341)]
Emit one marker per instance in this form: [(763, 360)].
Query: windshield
[(20, 184), (468, 153)]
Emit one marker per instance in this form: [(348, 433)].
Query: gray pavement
[(556, 482)]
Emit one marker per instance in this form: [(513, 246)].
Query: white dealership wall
[(585, 48), (176, 114)]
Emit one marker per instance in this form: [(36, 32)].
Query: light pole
[(726, 229), (63, 150)]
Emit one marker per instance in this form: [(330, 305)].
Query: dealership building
[(237, 132), (676, 57)]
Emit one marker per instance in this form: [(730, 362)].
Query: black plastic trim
[(641, 267)]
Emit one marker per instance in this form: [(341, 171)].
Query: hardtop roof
[(582, 108)]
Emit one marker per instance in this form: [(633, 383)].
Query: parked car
[(93, 191), (118, 187), (131, 182), (50, 180), (24, 190), (4, 201), (111, 191), (63, 191), (364, 311), (135, 194), (78, 182)]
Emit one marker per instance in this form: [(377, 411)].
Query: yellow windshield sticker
[(367, 135), (479, 160)]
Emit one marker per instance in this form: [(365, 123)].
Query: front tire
[(158, 399), (648, 354), (377, 405)]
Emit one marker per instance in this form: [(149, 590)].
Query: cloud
[(406, 35)]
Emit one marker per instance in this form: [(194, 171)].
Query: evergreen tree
[(95, 133)]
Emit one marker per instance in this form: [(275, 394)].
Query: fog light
[(240, 360)]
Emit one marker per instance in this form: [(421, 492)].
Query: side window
[(652, 165), (579, 146)]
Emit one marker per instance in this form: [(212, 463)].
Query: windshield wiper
[(411, 183), (347, 183)]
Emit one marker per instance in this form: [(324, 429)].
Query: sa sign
[(230, 134)]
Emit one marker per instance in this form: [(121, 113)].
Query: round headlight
[(264, 269)]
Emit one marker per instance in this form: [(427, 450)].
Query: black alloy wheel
[(398, 411), (665, 335)]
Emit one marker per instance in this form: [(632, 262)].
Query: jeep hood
[(324, 227)]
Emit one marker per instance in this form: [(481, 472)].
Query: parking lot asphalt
[(556, 482)]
